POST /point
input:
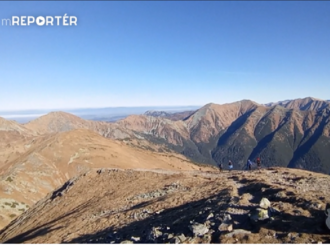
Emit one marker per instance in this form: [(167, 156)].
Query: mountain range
[(291, 133), (52, 151)]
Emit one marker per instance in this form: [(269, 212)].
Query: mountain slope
[(15, 140), (166, 207), (218, 133), (171, 116), (56, 158)]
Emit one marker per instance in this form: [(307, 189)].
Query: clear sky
[(164, 53)]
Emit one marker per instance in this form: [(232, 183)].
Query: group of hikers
[(247, 167)]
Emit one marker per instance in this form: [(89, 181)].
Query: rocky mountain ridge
[(277, 205), (290, 134)]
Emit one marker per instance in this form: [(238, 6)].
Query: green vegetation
[(12, 215), (14, 204), (9, 179)]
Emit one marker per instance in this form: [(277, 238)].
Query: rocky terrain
[(275, 205)]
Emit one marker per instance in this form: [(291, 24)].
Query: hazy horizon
[(79, 109), (108, 113)]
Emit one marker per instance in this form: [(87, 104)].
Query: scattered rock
[(237, 231), (211, 215), (171, 235), (264, 203), (207, 224), (136, 239), (198, 229), (127, 242), (280, 194), (316, 205), (155, 233), (159, 211), (227, 224), (227, 218), (177, 240), (182, 238), (259, 214), (207, 238), (225, 227)]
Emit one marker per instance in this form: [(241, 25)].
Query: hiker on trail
[(249, 165), (220, 166), (230, 165), (258, 163)]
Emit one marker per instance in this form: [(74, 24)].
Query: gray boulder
[(237, 231), (155, 233), (227, 224), (198, 229), (259, 214), (264, 203)]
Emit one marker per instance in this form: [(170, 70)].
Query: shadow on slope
[(236, 125), (305, 147), (177, 218), (266, 140), (284, 222), (41, 230)]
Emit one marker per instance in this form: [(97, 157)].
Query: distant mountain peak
[(174, 116), (307, 103), (8, 125), (57, 121)]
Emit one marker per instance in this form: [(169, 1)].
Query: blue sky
[(164, 53)]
